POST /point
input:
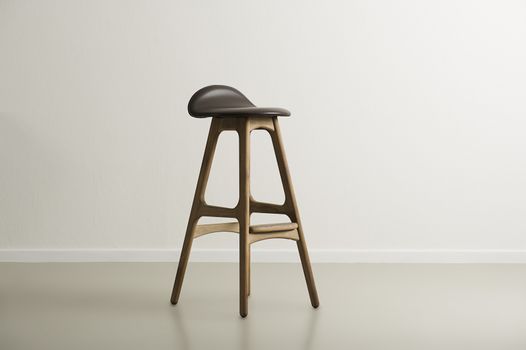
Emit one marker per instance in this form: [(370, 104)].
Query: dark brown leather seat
[(225, 101)]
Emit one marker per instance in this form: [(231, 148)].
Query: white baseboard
[(258, 255)]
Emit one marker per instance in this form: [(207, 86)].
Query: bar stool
[(231, 110)]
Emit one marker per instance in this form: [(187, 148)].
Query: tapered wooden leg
[(244, 215), (307, 270), (293, 213), (183, 261), (196, 205), (249, 282)]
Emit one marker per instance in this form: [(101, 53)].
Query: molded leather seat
[(225, 101)]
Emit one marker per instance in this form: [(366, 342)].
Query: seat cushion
[(225, 101)]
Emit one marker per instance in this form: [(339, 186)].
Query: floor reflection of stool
[(231, 110)]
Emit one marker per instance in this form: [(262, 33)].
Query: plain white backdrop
[(407, 134)]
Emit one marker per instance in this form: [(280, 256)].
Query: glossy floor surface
[(363, 306)]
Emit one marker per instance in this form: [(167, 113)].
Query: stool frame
[(245, 206)]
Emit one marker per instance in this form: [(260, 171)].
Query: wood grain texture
[(290, 202), (246, 205), (291, 234), (244, 214), (267, 228), (196, 205)]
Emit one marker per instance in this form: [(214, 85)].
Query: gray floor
[(363, 306)]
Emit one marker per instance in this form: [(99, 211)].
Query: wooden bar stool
[(231, 110)]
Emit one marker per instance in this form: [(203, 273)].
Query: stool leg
[(196, 205), (307, 270), (248, 272), (244, 215), (290, 203)]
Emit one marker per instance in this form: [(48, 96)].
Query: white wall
[(408, 127)]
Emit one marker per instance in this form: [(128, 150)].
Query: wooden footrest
[(268, 228), (286, 230)]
